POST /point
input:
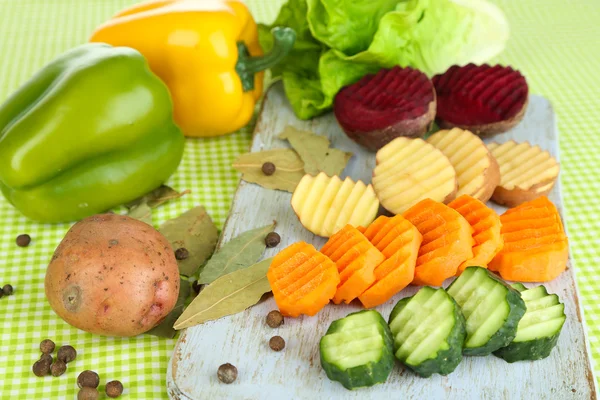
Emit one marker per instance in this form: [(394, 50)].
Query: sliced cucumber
[(538, 330), (519, 287), (429, 331), (491, 307), (357, 350)]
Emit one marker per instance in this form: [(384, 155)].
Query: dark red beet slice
[(482, 99), (379, 108)]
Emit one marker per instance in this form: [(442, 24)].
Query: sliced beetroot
[(379, 108), (483, 99)]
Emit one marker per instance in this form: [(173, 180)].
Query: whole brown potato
[(113, 275)]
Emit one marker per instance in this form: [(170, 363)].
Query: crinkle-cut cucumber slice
[(429, 331), (491, 307)]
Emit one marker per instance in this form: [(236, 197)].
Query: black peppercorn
[(58, 368), (268, 168), (47, 357), (272, 239), (227, 373), (114, 389), (88, 379), (47, 346), (274, 319), (7, 290), (277, 343), (23, 240), (66, 354), (182, 253), (41, 367), (88, 393)]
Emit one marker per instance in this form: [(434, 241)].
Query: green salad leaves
[(339, 41)]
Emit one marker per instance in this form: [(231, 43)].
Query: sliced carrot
[(447, 241), (486, 230), (536, 248), (356, 259), (399, 241), (303, 280)]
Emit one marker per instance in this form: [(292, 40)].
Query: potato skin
[(113, 275)]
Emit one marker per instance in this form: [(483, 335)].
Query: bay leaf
[(158, 196), (195, 231), (289, 168), (228, 295), (240, 252), (142, 211), (165, 328), (315, 152)]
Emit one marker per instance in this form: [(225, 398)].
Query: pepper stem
[(247, 65)]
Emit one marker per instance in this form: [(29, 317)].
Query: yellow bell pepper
[(206, 51)]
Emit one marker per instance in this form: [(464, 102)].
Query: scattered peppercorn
[(274, 319), (58, 368), (67, 354), (88, 393), (227, 373), (114, 389), (182, 253), (277, 343), (88, 379), (272, 239), (7, 290), (47, 346), (23, 240), (196, 287), (268, 168), (41, 367)]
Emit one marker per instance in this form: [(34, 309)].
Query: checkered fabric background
[(555, 45)]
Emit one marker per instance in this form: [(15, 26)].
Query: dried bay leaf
[(240, 252), (315, 152), (158, 196), (195, 231), (289, 168), (142, 212), (229, 294), (165, 328)]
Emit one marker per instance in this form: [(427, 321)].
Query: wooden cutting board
[(295, 372)]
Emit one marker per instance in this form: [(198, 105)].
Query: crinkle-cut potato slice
[(410, 170), (326, 204), (526, 172), (477, 171)]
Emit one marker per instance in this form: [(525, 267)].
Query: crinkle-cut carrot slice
[(486, 230), (356, 259), (399, 242), (302, 279), (447, 241), (536, 247)]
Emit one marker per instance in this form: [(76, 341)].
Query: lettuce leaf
[(339, 41)]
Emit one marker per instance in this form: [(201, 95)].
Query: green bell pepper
[(92, 130)]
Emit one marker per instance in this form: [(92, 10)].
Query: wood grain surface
[(295, 372)]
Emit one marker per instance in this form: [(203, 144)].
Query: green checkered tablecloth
[(554, 43)]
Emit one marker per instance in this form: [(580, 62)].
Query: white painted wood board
[(295, 372)]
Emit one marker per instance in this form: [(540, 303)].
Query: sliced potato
[(410, 170), (476, 169), (526, 172), (326, 204)]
